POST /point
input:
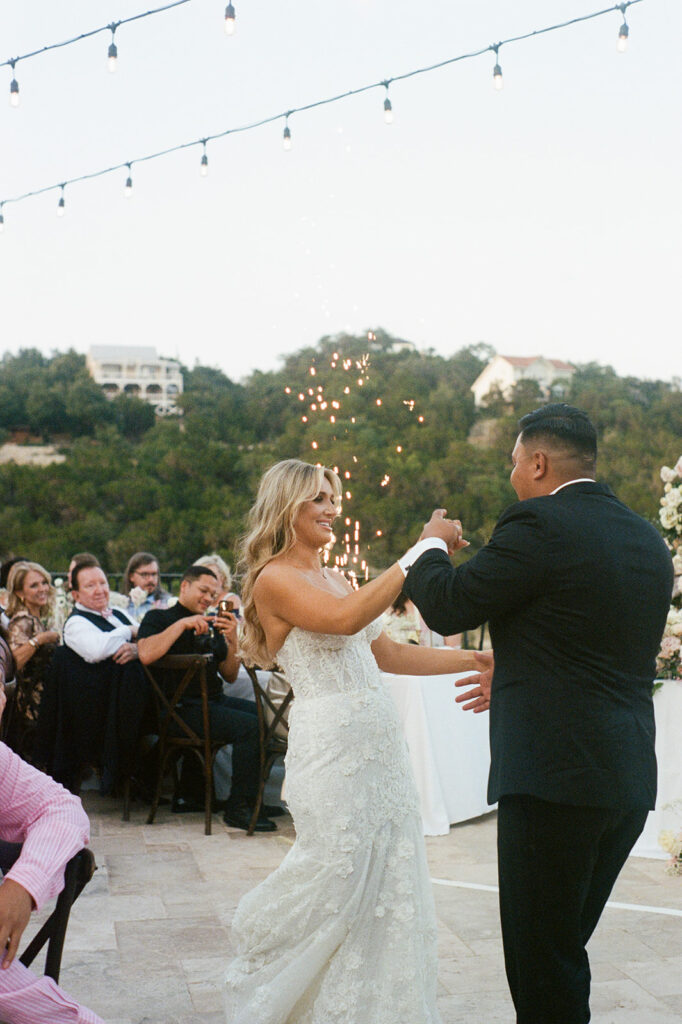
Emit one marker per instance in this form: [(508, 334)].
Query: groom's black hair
[(565, 427)]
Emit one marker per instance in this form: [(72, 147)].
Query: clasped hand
[(449, 530)]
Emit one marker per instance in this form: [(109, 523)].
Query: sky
[(541, 219)]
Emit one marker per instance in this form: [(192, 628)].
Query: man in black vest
[(576, 589), (96, 693)]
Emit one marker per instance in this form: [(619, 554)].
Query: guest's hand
[(16, 905), (49, 636), (126, 652), (227, 625), (199, 623), (449, 530), (478, 698)]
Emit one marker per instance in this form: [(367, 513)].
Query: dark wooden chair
[(52, 933), (273, 730), (169, 678)]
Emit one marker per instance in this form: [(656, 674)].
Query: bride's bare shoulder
[(273, 577)]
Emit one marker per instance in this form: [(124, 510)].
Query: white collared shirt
[(579, 480), (91, 643)]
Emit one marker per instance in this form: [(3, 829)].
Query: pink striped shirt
[(52, 825)]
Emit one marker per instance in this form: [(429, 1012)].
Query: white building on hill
[(503, 372), (136, 371)]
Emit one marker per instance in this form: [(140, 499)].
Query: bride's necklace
[(321, 571)]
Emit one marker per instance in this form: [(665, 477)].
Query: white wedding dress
[(344, 931)]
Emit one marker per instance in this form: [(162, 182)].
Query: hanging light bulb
[(128, 189), (286, 136), (203, 169), (13, 89), (61, 204), (112, 55), (2, 219), (623, 34), (498, 81), (388, 109), (229, 20)]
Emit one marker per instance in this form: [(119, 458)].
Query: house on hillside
[(137, 371), (503, 372)]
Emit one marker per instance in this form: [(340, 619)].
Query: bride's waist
[(369, 692)]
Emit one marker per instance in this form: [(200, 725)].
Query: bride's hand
[(449, 530), (478, 698)]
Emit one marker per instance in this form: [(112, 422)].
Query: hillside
[(399, 434)]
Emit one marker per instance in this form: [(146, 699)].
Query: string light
[(388, 109), (61, 204), (14, 90), (128, 188), (95, 31), (498, 81), (229, 20), (623, 32), (112, 55), (2, 219), (203, 167)]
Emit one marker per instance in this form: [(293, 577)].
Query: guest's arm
[(152, 647), (93, 644), (51, 824), (25, 639), (229, 666)]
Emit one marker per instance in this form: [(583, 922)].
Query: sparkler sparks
[(335, 387)]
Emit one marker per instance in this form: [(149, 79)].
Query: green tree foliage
[(182, 486)]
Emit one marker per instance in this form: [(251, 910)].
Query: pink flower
[(670, 645)]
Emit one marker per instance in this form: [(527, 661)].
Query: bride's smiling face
[(314, 519)]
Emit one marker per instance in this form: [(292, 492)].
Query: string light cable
[(286, 115), (112, 53)]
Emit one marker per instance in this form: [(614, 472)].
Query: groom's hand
[(449, 530), (478, 698)]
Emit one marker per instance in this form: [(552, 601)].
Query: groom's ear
[(540, 465)]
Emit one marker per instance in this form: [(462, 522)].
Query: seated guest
[(184, 629), (97, 694), (88, 560), (223, 574), (141, 585), (48, 826), (32, 640)]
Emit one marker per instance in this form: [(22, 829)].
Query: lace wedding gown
[(344, 931)]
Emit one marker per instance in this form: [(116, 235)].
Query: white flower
[(666, 840), (668, 518), (668, 474), (171, 601), (677, 563), (678, 466), (137, 595)]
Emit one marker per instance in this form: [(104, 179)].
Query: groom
[(576, 589)]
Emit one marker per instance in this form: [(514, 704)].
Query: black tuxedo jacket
[(576, 589)]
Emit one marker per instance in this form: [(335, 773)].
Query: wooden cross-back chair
[(176, 737), (273, 730), (77, 873)]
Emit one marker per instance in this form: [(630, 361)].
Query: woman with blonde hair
[(344, 930), (32, 641)]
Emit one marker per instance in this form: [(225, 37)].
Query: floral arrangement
[(669, 661), (672, 844)]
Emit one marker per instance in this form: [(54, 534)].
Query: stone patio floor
[(149, 937)]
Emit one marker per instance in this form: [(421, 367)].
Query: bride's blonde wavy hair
[(283, 489)]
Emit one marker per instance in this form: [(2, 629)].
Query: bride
[(344, 931)]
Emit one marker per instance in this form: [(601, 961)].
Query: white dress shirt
[(90, 642)]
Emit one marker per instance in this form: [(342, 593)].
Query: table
[(449, 749), (668, 712)]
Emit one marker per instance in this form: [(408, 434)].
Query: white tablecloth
[(668, 710), (449, 749)]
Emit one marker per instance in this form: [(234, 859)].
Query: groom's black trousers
[(557, 866)]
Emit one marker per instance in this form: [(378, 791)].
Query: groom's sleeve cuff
[(411, 556)]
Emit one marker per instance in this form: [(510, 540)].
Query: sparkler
[(341, 378)]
